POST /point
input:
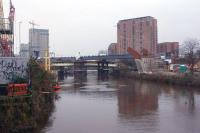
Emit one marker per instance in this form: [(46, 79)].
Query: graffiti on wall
[(11, 67)]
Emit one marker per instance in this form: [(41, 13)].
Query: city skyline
[(95, 24)]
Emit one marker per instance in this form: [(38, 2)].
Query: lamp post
[(20, 33), (52, 54)]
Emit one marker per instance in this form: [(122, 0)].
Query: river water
[(93, 105)]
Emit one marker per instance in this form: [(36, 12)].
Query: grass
[(172, 79)]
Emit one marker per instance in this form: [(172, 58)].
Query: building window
[(124, 25), (140, 24), (118, 26), (148, 23)]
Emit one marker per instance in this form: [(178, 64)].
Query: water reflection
[(137, 106), (137, 99), (185, 101), (96, 105)]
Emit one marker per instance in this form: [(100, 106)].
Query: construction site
[(11, 68), (7, 31)]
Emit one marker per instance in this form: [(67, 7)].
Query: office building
[(39, 42)]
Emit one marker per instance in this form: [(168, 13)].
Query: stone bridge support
[(80, 70), (103, 69)]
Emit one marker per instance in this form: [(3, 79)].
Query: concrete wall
[(148, 65), (11, 67)]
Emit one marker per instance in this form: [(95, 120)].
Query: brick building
[(137, 33), (168, 49), (113, 49)]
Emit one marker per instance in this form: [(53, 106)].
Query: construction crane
[(7, 31), (47, 63), (33, 24), (31, 42), (11, 16)]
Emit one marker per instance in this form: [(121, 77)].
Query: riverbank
[(25, 114), (165, 77)]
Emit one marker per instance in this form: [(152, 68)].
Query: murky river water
[(124, 106)]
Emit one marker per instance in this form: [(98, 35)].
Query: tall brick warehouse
[(137, 33)]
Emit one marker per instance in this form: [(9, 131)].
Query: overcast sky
[(87, 26)]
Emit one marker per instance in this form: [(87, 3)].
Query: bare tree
[(189, 49)]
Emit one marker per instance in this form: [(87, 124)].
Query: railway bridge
[(103, 64)]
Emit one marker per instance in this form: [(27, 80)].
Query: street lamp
[(20, 22)]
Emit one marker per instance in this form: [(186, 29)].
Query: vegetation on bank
[(25, 114), (186, 79)]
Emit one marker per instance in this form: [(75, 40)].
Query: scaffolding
[(7, 32)]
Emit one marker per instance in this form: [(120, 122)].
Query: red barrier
[(17, 89)]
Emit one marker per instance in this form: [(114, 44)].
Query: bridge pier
[(80, 70), (61, 74), (103, 69)]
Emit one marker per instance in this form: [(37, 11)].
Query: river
[(111, 105)]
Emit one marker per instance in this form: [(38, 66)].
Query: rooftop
[(163, 43), (39, 30), (139, 18)]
